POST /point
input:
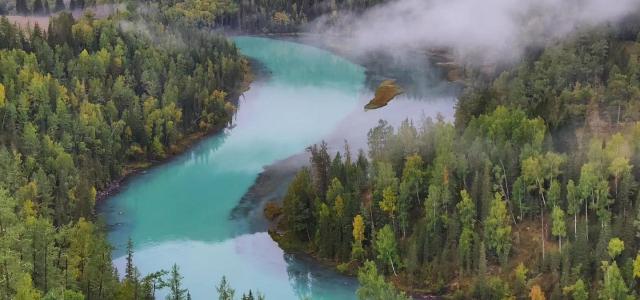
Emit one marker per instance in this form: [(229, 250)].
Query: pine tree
[(38, 7), (59, 6), (298, 206), (467, 213), (130, 268), (176, 292), (225, 292), (21, 7)]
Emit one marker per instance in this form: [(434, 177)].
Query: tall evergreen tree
[(59, 6), (225, 292), (21, 7), (38, 7), (176, 292)]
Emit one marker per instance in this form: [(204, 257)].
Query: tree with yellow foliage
[(536, 293), (358, 237), (389, 203), (2, 96)]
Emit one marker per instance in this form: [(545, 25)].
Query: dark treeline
[(81, 102), (532, 193), (250, 16), (254, 16), (41, 7)]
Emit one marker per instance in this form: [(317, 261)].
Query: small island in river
[(386, 91)]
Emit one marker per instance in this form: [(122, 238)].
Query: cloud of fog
[(484, 31)]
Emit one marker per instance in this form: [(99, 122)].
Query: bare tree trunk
[(575, 226), (393, 267), (586, 219), (46, 247), (542, 206), (505, 191), (542, 229), (560, 242), (6, 279)]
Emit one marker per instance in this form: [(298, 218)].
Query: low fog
[(486, 31)]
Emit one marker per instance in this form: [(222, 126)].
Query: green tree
[(130, 267), (385, 246), (38, 7), (59, 6), (559, 228), (497, 228), (578, 290), (574, 201), (613, 285), (467, 213), (410, 189), (21, 7), (615, 247), (588, 182), (225, 292), (389, 203), (298, 206), (374, 287), (521, 279), (30, 141), (535, 170), (176, 292), (25, 289)]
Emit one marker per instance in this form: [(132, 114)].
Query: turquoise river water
[(179, 212)]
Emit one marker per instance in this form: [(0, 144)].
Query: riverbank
[(185, 143), (272, 183)]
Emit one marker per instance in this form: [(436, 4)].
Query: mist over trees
[(530, 193)]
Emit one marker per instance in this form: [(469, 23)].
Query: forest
[(83, 102), (247, 16), (532, 192)]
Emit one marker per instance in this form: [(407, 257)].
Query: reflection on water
[(179, 212), (251, 261)]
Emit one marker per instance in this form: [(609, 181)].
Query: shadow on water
[(179, 212), (426, 95), (121, 225)]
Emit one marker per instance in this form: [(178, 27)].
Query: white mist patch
[(479, 31), (251, 261)]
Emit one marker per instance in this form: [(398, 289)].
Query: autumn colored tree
[(536, 293), (357, 252)]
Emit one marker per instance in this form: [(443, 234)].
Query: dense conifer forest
[(532, 192), (83, 102)]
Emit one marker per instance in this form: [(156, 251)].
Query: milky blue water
[(178, 212)]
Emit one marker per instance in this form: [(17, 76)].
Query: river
[(180, 211)]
